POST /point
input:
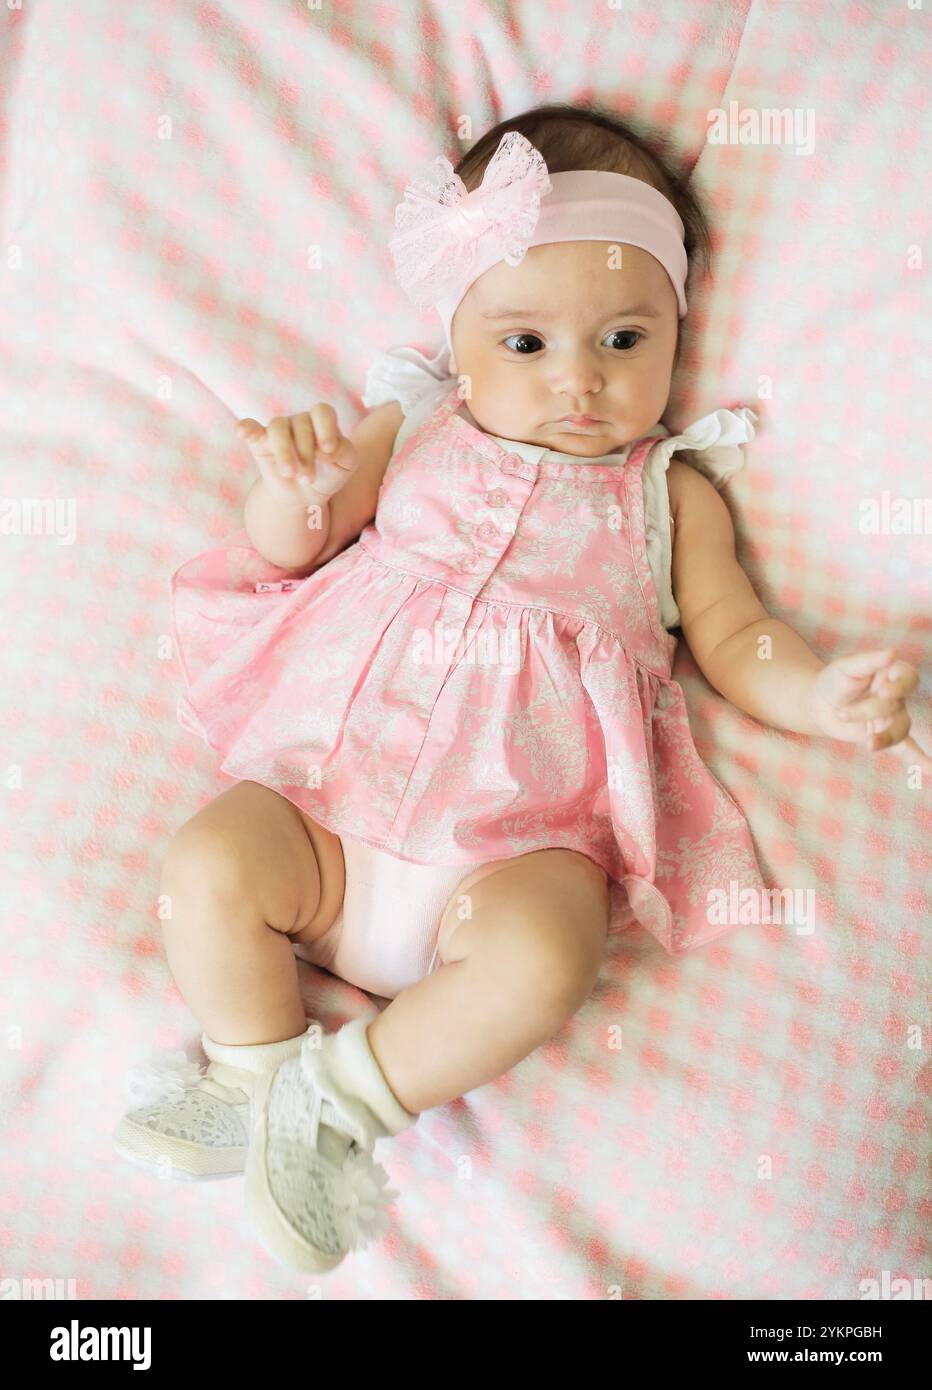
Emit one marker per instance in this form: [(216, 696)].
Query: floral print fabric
[(481, 674)]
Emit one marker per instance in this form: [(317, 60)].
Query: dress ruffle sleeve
[(715, 442), (405, 375)]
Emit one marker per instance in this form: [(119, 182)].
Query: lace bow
[(165, 1076), (439, 223)]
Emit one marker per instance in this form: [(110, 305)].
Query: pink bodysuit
[(482, 673)]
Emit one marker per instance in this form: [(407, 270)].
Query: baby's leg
[(513, 974), (242, 880)]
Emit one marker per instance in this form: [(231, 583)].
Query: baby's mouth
[(579, 422)]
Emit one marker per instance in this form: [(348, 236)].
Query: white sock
[(357, 1080), (229, 1059)]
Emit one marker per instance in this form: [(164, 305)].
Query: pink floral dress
[(482, 673)]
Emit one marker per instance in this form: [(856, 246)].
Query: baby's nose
[(579, 384), (578, 377)]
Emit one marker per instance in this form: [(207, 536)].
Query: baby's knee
[(200, 860), (563, 962), (550, 962)]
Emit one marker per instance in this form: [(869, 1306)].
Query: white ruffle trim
[(403, 374), (717, 438)]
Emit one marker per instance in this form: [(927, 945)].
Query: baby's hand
[(301, 458), (861, 698)]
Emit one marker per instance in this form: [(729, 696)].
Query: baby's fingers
[(884, 733), (900, 680), (872, 707), (305, 445), (254, 435), (303, 432), (331, 476), (888, 690), (326, 427), (283, 446)]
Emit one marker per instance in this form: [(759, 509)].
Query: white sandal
[(313, 1190), (192, 1122)]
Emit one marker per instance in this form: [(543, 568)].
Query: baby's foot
[(313, 1189), (185, 1123), (189, 1123)]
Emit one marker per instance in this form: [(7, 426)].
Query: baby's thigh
[(254, 849), (546, 912)]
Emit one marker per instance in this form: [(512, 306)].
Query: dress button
[(486, 531), (498, 498)]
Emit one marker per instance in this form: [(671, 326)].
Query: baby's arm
[(280, 531), (722, 617), (856, 698), (781, 682)]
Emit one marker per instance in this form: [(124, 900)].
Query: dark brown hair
[(586, 137)]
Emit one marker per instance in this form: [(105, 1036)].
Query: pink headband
[(445, 237)]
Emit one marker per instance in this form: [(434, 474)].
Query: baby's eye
[(523, 339), (626, 333)]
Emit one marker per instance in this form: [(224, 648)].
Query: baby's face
[(577, 348)]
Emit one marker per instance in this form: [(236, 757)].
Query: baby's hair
[(585, 137)]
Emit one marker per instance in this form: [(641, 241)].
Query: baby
[(438, 662)]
